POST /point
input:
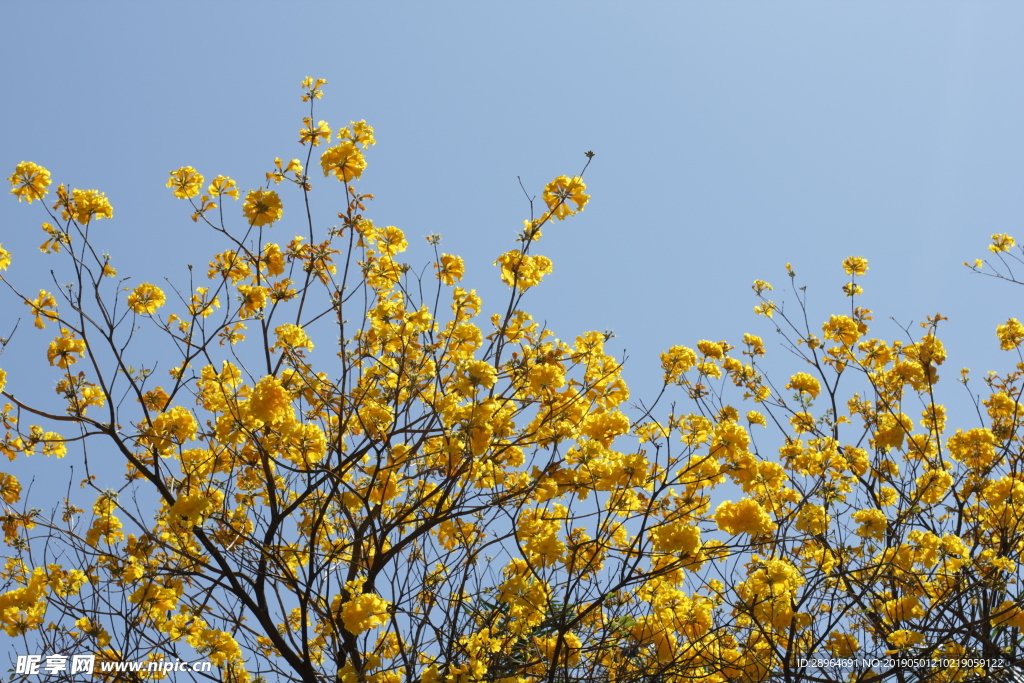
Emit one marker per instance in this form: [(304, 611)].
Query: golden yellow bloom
[(314, 134), (755, 345), (188, 511), (29, 181), (676, 361), (201, 305), (312, 88), (83, 205), (563, 190), (710, 349), (523, 270), (745, 517), (146, 298), (805, 384), (186, 182), (292, 337), (344, 160), (903, 639), (477, 373), (10, 487), (174, 427), (855, 265), (262, 207), (40, 308), (360, 133), (767, 309), (273, 259), (813, 519), (55, 239), (842, 645), (843, 329), (222, 185), (678, 537), (61, 349), (229, 264), (222, 650), (450, 269), (873, 523), (1001, 243), (932, 486), (93, 630), (1010, 335), (270, 402), (362, 611), (5, 258)]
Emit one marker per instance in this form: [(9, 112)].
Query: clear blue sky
[(731, 138)]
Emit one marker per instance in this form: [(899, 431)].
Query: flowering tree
[(449, 496)]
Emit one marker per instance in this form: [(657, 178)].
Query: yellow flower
[(344, 160), (1010, 335), (677, 537), (676, 361), (812, 519), (186, 181), (855, 265), (477, 373), (450, 269), (270, 402), (62, 348), (201, 305), (522, 270), (805, 384), (29, 181), (146, 298), (767, 309), (189, 510), (360, 133), (262, 207), (312, 88), (314, 134), (932, 485), (873, 523), (1001, 243), (222, 185), (363, 611), (10, 487), (83, 205), (710, 349), (5, 258), (292, 337), (903, 639), (563, 190), (174, 427), (40, 306), (843, 329), (221, 649), (744, 517), (93, 630), (842, 644)]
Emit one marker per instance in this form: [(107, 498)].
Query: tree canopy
[(316, 462)]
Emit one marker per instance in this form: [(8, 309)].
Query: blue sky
[(730, 139)]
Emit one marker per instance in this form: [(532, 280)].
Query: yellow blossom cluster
[(343, 513)]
